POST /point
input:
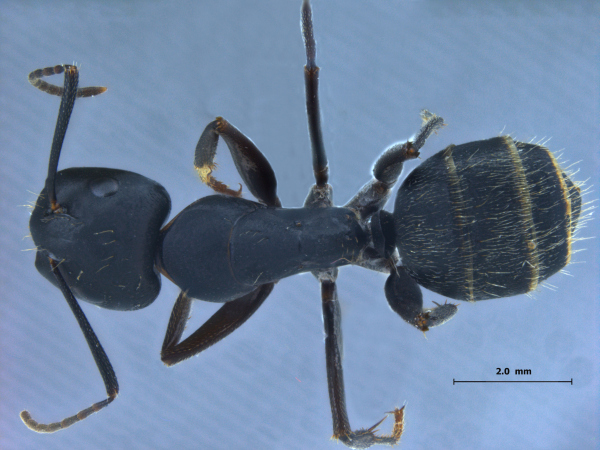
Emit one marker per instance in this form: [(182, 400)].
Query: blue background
[(530, 69)]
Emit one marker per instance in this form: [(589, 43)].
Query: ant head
[(100, 225), (104, 235)]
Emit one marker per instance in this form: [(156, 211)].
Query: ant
[(485, 219)]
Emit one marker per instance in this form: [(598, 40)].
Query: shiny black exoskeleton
[(482, 220)]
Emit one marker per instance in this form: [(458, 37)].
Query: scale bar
[(512, 381)]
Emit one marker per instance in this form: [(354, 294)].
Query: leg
[(362, 438), (373, 195), (251, 164), (320, 194), (226, 320), (405, 298), (311, 80), (102, 362)]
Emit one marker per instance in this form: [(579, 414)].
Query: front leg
[(362, 438), (220, 325), (251, 164)]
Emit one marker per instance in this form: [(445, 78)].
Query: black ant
[(486, 219)]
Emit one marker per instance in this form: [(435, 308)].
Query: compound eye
[(104, 187)]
